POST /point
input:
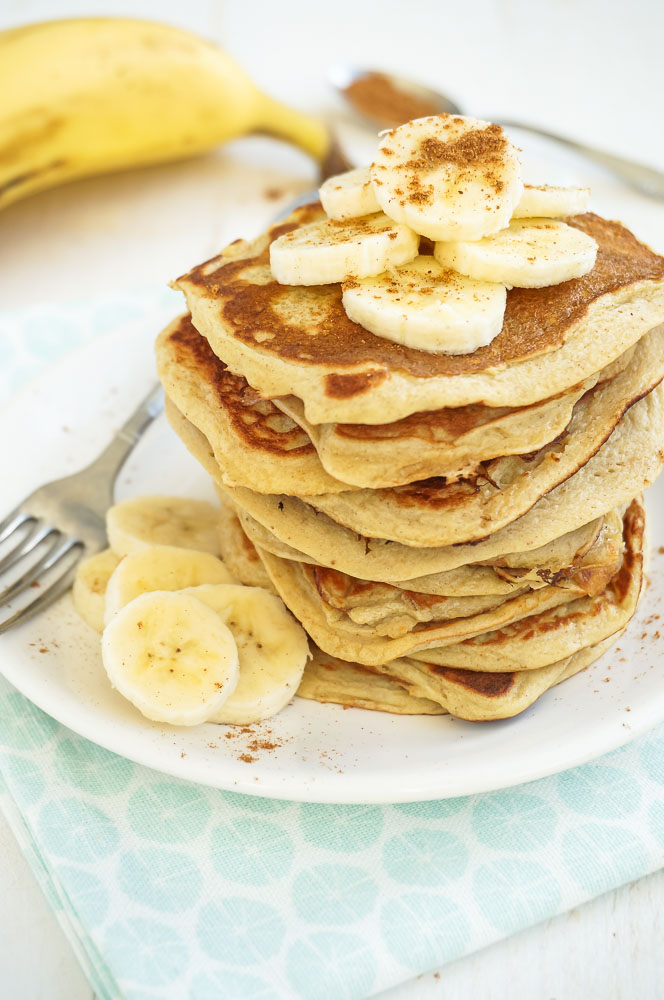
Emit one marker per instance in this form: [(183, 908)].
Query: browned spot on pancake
[(491, 685), (248, 546), (595, 579), (335, 587), (424, 600), (257, 420), (633, 529), (453, 423), (536, 319), (545, 624), (434, 493), (345, 386), (333, 667)]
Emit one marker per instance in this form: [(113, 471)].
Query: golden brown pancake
[(482, 697), (546, 564), (436, 513), (237, 551), (529, 644), (466, 694), (393, 611), (623, 467), (298, 340), (258, 445), (253, 441), (448, 442), (328, 679), (339, 636), (528, 631)]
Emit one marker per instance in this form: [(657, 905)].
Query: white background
[(591, 70)]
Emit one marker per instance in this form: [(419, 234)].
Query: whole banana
[(93, 95)]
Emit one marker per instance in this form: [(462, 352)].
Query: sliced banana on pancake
[(349, 195), (529, 253), (90, 583), (272, 647), (134, 524), (161, 567), (172, 657), (329, 251), (448, 177), (427, 307), (549, 202)]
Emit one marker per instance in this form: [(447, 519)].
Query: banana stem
[(309, 133)]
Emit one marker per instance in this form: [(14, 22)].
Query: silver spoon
[(402, 95)]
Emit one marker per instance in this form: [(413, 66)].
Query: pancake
[(336, 634), (622, 468), (470, 695), (489, 577), (546, 564), (524, 646), (482, 697), (328, 679), (436, 513), (254, 443), (393, 611), (257, 444), (237, 552), (531, 630), (288, 340), (447, 442)]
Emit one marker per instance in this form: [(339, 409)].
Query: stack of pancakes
[(455, 533)]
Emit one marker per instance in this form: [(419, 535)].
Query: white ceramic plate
[(312, 752)]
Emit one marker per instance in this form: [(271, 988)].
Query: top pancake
[(298, 340)]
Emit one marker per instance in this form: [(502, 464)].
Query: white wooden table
[(589, 69)]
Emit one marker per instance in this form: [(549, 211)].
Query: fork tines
[(51, 569)]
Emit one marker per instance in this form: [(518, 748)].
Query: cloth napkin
[(172, 890)]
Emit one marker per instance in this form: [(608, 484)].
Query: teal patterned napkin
[(172, 891)]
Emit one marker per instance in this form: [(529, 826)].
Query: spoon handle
[(645, 179)]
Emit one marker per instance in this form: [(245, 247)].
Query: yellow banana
[(92, 95)]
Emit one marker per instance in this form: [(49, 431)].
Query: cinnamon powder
[(376, 96)]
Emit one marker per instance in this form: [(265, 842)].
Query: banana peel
[(87, 96)]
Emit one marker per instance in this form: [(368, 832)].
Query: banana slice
[(448, 177), (349, 195), (530, 253), (428, 307), (548, 202), (272, 647), (172, 657), (330, 251), (159, 520), (89, 591), (161, 567)]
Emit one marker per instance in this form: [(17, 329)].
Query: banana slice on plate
[(90, 583), (172, 657), (448, 177), (529, 253), (134, 524), (349, 195), (161, 567), (550, 202), (272, 647), (428, 307), (330, 251)]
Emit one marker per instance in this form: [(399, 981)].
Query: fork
[(70, 515)]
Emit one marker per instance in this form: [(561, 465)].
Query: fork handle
[(647, 180), (113, 457)]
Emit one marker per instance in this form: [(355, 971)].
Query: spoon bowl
[(388, 99)]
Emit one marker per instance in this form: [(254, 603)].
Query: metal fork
[(68, 515)]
